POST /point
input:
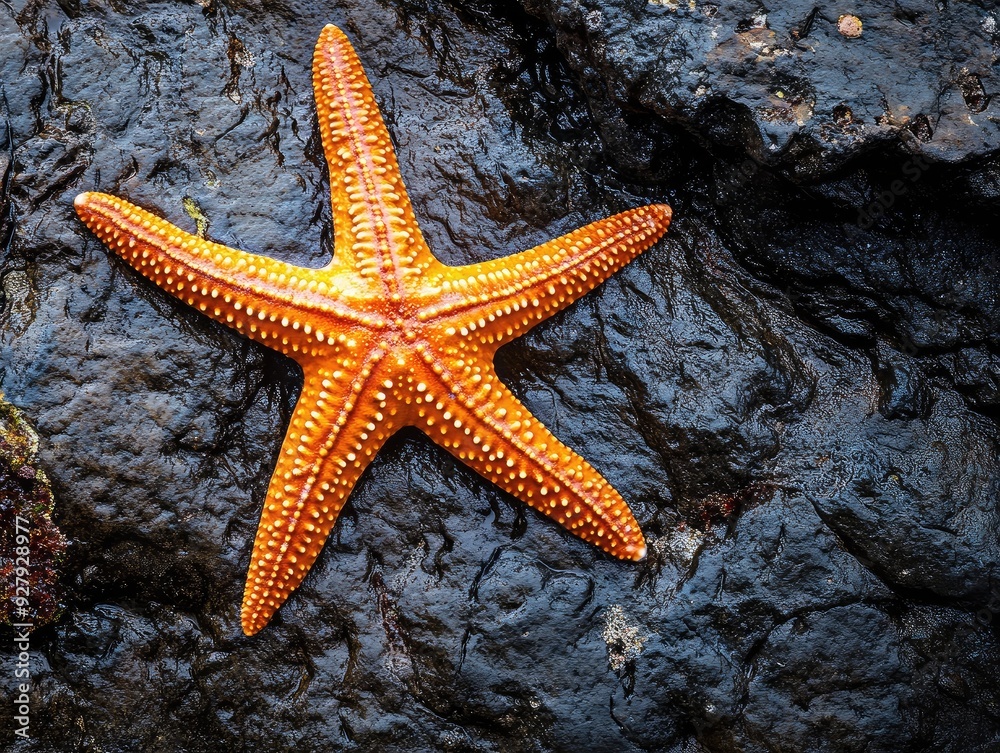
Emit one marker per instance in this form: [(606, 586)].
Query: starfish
[(387, 336)]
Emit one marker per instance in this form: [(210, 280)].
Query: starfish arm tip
[(632, 549), (86, 203), (664, 211), (252, 621), (662, 214), (250, 630), (92, 203)]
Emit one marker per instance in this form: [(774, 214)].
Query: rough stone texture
[(796, 391), (803, 86)]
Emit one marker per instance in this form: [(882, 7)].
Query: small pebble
[(849, 26)]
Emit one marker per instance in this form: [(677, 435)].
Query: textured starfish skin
[(387, 337)]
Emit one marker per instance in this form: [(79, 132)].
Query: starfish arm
[(489, 430), (376, 231), (506, 297), (336, 428), (262, 298)]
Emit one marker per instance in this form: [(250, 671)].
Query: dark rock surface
[(791, 84), (797, 391)]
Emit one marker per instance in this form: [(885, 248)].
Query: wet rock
[(807, 87), (796, 391)]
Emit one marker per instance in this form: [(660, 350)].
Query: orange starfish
[(388, 336)]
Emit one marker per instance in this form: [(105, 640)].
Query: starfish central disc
[(387, 337)]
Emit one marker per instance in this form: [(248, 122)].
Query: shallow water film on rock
[(796, 392)]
